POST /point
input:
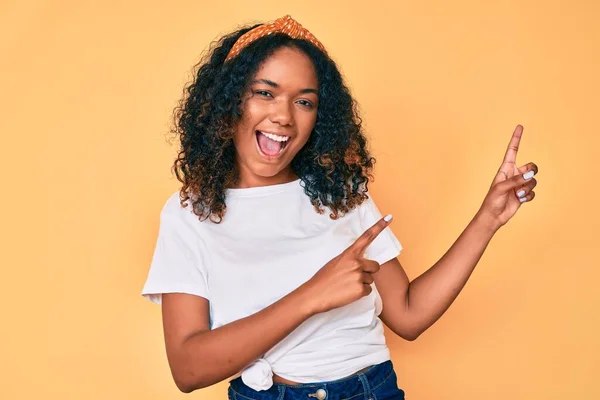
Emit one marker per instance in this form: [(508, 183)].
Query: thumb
[(515, 182), (501, 176)]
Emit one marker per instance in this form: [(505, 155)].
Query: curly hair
[(334, 165)]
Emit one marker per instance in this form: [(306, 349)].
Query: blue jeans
[(376, 383)]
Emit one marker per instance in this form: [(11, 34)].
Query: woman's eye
[(263, 93), (306, 103)]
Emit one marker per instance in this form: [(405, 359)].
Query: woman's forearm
[(430, 295), (215, 355)]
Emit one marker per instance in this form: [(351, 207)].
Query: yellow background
[(87, 94)]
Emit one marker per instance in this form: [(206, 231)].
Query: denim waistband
[(355, 384)]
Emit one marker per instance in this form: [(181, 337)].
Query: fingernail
[(521, 193), (388, 218), (528, 175), (522, 199)]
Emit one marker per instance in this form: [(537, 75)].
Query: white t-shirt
[(270, 242)]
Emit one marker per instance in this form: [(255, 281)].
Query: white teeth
[(276, 138)]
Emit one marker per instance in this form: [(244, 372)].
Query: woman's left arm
[(409, 308)]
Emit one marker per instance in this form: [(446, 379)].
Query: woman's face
[(278, 114)]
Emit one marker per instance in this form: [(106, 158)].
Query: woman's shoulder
[(172, 207)]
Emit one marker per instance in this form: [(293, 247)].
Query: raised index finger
[(513, 146), (364, 240)]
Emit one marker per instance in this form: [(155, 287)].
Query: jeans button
[(321, 394)]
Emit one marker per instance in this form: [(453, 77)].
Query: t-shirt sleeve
[(386, 246), (178, 263)]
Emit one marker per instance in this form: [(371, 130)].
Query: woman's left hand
[(509, 189)]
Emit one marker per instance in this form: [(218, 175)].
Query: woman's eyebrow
[(275, 85)]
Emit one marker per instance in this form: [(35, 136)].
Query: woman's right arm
[(200, 357)]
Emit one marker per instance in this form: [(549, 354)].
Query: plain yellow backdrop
[(87, 94)]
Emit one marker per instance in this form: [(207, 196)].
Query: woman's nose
[(281, 113)]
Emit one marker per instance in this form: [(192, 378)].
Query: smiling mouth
[(271, 146)]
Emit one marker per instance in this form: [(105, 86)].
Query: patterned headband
[(286, 25)]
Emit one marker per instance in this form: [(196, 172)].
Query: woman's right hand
[(347, 277)]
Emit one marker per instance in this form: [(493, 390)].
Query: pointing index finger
[(364, 240), (513, 146)]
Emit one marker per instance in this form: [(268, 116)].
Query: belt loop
[(366, 386), (281, 391)]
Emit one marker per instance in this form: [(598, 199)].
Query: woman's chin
[(261, 171)]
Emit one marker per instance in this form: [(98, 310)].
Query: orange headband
[(286, 25)]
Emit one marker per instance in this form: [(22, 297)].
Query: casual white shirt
[(270, 242)]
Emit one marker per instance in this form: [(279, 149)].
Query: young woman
[(272, 263)]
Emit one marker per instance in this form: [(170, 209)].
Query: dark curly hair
[(334, 165)]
